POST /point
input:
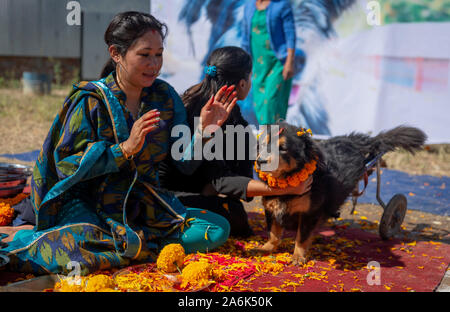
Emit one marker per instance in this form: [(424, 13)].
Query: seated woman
[(233, 178), (95, 187)]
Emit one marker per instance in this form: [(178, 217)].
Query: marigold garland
[(171, 258), (293, 180), (197, 273)]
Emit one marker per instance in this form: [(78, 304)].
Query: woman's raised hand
[(217, 109), (144, 125)]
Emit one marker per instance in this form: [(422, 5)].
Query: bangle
[(125, 154)]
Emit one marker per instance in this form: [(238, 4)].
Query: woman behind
[(95, 187), (233, 177), (269, 36)]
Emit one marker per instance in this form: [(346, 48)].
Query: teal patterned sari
[(92, 205)]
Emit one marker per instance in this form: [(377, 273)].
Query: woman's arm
[(78, 142), (246, 188), (287, 17), (212, 116), (288, 69)]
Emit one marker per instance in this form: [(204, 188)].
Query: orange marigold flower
[(303, 176), (293, 180), (6, 214), (282, 183)]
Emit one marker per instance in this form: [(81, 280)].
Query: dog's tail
[(408, 138)]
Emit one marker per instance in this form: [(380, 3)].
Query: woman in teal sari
[(95, 185), (269, 36)]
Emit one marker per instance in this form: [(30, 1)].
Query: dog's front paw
[(298, 259), (269, 247), (266, 248)]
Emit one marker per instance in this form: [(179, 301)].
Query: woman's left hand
[(216, 111), (288, 70)]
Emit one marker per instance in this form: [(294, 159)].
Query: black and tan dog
[(341, 164)]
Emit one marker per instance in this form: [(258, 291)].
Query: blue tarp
[(27, 156), (423, 192)]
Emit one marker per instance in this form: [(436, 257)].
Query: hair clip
[(211, 70), (304, 131)]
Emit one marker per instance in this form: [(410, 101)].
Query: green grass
[(41, 108), (26, 119)]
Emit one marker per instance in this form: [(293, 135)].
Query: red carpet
[(339, 265), (339, 260)]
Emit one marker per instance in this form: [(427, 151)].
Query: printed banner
[(369, 65)]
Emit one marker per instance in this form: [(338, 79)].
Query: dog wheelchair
[(395, 210)]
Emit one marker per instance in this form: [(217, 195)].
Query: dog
[(340, 165)]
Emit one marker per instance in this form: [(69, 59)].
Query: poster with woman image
[(352, 74)]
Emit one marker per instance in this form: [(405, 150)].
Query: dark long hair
[(123, 31), (232, 65)]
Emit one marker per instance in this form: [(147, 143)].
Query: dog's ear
[(312, 150)]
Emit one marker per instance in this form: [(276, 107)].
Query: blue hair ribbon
[(211, 70)]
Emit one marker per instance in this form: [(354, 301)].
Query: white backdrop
[(369, 79), (391, 75)]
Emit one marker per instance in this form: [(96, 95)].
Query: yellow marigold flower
[(171, 258), (70, 284), (196, 274), (304, 131), (99, 283)]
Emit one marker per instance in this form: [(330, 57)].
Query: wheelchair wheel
[(393, 216)]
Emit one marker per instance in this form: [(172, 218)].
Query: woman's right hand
[(144, 125), (300, 189)]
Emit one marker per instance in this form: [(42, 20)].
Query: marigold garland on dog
[(292, 180)]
